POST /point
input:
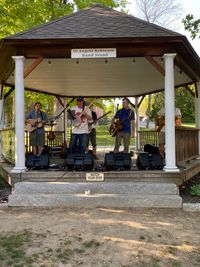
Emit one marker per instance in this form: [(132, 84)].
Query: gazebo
[(98, 51)]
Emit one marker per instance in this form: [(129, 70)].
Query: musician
[(80, 130), (92, 133), (126, 118), (37, 120), (160, 123)]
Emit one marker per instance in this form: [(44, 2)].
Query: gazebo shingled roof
[(98, 27), (95, 22)]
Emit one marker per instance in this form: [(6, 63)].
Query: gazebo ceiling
[(98, 77), (136, 70)]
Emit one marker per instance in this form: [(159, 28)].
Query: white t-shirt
[(161, 112), (80, 124)]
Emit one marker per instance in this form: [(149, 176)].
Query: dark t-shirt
[(125, 116)]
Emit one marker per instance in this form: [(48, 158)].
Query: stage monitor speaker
[(117, 161), (151, 148), (147, 161), (79, 161), (38, 162)]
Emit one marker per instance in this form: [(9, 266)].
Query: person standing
[(123, 125), (160, 122), (79, 135), (35, 121), (92, 133)]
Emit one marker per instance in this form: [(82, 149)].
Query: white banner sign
[(93, 53), (95, 176)]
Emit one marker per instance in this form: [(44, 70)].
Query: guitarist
[(80, 130), (37, 120), (124, 117)]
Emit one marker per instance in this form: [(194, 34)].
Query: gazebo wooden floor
[(60, 173)]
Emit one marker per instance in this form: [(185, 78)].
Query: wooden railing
[(186, 141), (7, 142), (56, 142)]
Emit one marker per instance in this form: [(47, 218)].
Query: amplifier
[(117, 161)]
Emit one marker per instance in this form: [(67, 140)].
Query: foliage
[(186, 103), (183, 100), (191, 25), (20, 15), (195, 190)]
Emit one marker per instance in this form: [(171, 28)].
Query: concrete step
[(96, 200), (131, 188)]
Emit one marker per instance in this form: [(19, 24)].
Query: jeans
[(78, 142)]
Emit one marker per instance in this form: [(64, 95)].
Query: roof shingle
[(95, 22)]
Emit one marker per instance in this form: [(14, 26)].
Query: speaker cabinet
[(38, 162), (151, 148), (117, 161), (79, 161), (147, 161)]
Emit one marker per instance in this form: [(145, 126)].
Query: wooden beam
[(60, 101), (9, 92), (140, 102), (189, 90), (156, 65), (32, 66), (1, 92)]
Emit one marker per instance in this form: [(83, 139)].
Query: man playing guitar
[(123, 124), (35, 121), (80, 131)]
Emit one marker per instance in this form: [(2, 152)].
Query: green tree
[(20, 15), (191, 25)]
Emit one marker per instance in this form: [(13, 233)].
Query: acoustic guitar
[(33, 124), (115, 127), (95, 121), (160, 122)]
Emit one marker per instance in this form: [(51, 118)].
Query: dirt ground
[(99, 237)]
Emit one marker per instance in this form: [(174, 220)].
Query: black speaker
[(147, 161), (79, 161), (117, 161), (151, 148), (38, 162)]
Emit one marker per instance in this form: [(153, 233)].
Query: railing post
[(197, 114), (137, 126), (1, 126)]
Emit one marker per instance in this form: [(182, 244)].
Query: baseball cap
[(80, 98)]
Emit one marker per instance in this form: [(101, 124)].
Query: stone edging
[(193, 207)]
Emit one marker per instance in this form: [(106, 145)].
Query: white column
[(19, 115), (65, 119), (137, 126), (1, 126), (197, 114), (170, 155)]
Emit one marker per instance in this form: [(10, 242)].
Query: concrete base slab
[(97, 200), (96, 188)]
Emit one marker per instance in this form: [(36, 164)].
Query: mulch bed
[(185, 190), (5, 191)]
